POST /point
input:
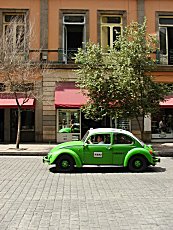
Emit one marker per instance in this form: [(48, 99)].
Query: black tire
[(65, 163), (137, 163)]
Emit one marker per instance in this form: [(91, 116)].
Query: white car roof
[(113, 130), (109, 130)]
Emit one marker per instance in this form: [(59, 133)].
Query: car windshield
[(85, 136)]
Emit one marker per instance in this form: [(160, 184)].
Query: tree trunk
[(141, 126), (18, 129)]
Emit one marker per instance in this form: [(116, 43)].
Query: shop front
[(9, 119), (68, 101), (162, 123)]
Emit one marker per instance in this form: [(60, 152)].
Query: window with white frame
[(166, 38), (120, 123), (74, 34), (14, 29), (111, 28), (68, 125), (69, 120)]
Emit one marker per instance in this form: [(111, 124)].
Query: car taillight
[(151, 151)]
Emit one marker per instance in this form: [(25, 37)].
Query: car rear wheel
[(137, 163), (65, 163)]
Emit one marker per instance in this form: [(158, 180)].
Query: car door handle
[(109, 147)]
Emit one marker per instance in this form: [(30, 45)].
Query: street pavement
[(34, 197)]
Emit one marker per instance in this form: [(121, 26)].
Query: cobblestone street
[(33, 197)]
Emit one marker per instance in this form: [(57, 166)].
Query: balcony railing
[(59, 56), (63, 56)]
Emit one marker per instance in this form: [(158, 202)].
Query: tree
[(18, 72), (118, 81)]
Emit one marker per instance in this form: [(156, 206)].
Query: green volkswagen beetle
[(75, 128), (103, 146)]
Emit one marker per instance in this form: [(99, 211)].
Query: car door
[(122, 144), (98, 154)]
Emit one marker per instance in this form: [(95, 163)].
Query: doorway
[(27, 125), (74, 35)]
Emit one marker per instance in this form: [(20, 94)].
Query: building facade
[(60, 28)]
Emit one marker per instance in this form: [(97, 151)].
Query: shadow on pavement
[(105, 170)]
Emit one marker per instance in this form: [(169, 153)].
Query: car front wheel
[(137, 163), (65, 163)]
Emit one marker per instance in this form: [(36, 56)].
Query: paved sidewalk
[(163, 149), (26, 149)]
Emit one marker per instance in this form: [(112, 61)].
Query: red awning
[(168, 103), (8, 101), (67, 95)]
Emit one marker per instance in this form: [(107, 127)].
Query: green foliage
[(118, 81)]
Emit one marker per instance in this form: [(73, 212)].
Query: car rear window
[(120, 138)]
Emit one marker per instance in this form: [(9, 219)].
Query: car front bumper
[(155, 160), (46, 160)]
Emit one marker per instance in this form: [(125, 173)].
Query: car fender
[(136, 151), (76, 158)]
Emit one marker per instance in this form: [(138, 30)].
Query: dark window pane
[(109, 19), (166, 21), (74, 18), (74, 39), (162, 36), (116, 32), (27, 119), (122, 139), (2, 87), (9, 18), (108, 36)]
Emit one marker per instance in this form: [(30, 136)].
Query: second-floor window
[(74, 34), (166, 38), (2, 87), (22, 87), (14, 30), (111, 28)]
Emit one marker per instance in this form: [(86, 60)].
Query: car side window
[(99, 139), (120, 138)]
